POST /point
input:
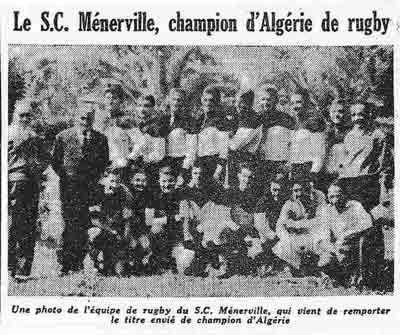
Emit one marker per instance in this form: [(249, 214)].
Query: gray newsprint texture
[(200, 171)]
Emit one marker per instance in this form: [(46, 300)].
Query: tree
[(16, 86)]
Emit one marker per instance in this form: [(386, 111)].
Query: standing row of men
[(299, 144)]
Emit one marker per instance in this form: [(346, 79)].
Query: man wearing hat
[(80, 158)]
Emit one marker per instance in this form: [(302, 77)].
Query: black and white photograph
[(200, 171)]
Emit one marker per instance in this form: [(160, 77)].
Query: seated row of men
[(202, 225)]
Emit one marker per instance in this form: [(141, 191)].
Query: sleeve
[(158, 152), (191, 150), (137, 144), (119, 146), (58, 156), (185, 214), (242, 137), (318, 141), (39, 156), (223, 144), (324, 232), (261, 221), (363, 217), (282, 220), (261, 206)]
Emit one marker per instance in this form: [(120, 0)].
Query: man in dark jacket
[(27, 159), (80, 157)]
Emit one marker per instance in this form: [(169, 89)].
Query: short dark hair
[(137, 170), (246, 96), (167, 170), (115, 90), (278, 178), (215, 92), (150, 98)]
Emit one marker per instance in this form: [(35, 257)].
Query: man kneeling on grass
[(162, 216), (109, 235), (139, 248)]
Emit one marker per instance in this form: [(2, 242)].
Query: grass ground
[(46, 282)]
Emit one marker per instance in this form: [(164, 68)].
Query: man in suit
[(80, 157)]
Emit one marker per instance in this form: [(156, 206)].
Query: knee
[(93, 233)]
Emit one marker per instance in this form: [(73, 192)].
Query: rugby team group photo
[(199, 162)]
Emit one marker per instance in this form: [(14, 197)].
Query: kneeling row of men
[(203, 225)]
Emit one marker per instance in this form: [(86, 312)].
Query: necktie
[(86, 140)]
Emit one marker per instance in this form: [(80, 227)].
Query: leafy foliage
[(55, 75)]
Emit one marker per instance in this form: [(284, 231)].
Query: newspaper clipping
[(207, 167)]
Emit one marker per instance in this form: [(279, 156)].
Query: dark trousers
[(365, 189), (113, 251), (75, 197), (163, 243), (23, 206), (208, 165)]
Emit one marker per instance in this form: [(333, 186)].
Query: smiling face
[(176, 101), (112, 100), (296, 103), (266, 101), (144, 110), (167, 183), (275, 189), (85, 116), (138, 181), (358, 114), (110, 183), (336, 197), (297, 191), (208, 102), (23, 113), (337, 113)]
